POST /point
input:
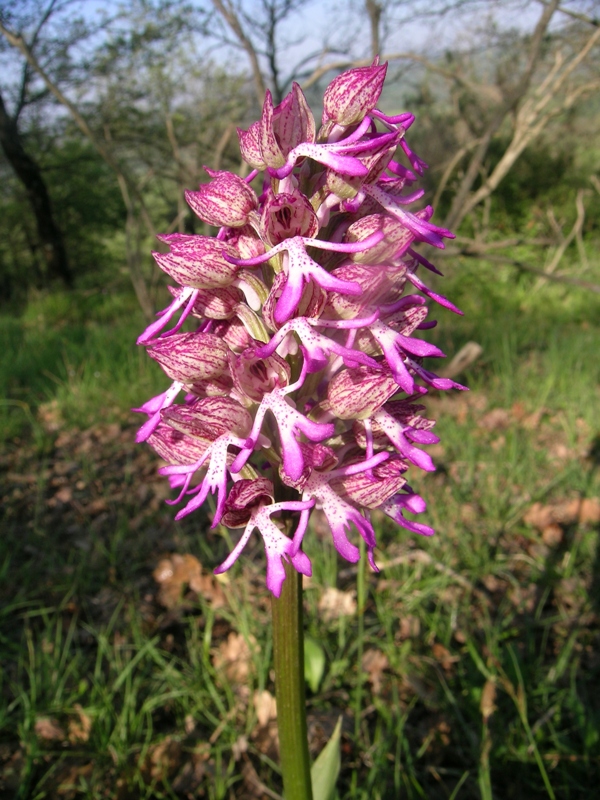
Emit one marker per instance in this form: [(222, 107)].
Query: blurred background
[(469, 667)]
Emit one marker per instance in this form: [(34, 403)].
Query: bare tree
[(13, 142), (257, 30), (137, 112)]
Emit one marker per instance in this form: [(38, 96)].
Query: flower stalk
[(288, 652)]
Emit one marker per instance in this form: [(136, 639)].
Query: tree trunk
[(29, 173)]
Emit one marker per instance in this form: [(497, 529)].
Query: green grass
[(78, 350), (484, 606)]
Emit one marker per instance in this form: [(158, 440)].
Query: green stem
[(288, 650), (361, 602)]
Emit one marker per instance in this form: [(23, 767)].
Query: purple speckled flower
[(304, 369)]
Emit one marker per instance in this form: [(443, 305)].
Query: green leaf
[(314, 664), (324, 772)]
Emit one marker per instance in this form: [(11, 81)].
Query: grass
[(480, 647)]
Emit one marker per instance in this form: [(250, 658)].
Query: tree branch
[(591, 287), (459, 210), (225, 8)]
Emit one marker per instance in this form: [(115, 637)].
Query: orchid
[(304, 365), (296, 381)]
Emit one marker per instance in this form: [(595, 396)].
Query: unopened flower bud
[(280, 129), (225, 201), (209, 418), (197, 261), (357, 393), (191, 357), (350, 96), (175, 447)]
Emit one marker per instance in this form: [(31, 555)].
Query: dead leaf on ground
[(265, 706), (410, 627), (80, 729), (469, 512), (49, 730), (265, 735), (334, 604), (560, 452), (234, 657), (374, 663), (532, 421), (589, 511), (252, 783), (239, 747), (178, 572), (493, 584), (189, 724), (266, 739), (565, 512), (190, 776), (552, 535), (495, 420), (50, 416), (96, 507), (443, 656), (162, 760), (64, 495)]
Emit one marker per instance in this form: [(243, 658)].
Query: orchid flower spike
[(291, 345)]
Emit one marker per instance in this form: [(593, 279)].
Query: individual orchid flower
[(339, 512), (301, 268), (422, 230), (278, 547), (221, 423), (215, 479), (291, 423), (396, 347), (317, 347)]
